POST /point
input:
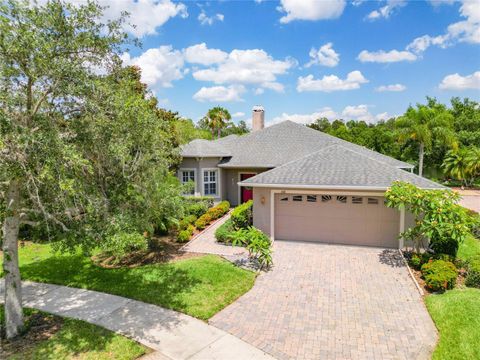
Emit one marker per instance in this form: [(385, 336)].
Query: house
[(306, 185)]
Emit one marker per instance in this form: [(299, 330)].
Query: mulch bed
[(162, 249), (41, 327)]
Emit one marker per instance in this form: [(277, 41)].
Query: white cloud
[(145, 15), (362, 113), (387, 10), (458, 82), (238, 114), (422, 43), (326, 112), (325, 56), (386, 57), (392, 87), (310, 9), (200, 54), (331, 83), (247, 67), (160, 66), (467, 30), (220, 93), (259, 91), (209, 20)]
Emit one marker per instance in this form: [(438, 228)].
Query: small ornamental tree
[(438, 218)]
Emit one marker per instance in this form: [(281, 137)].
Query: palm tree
[(424, 125), (457, 166), (463, 164), (217, 118)]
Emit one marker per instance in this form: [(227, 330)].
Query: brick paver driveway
[(333, 302)]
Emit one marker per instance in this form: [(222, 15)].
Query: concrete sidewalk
[(173, 335)]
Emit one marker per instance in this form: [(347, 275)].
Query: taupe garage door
[(337, 219)]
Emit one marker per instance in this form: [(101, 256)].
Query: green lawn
[(457, 316), (77, 340), (199, 286), (469, 248)]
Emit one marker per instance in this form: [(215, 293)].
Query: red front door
[(246, 193)]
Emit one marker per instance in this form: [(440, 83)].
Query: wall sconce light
[(262, 200)]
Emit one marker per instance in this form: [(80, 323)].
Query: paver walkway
[(172, 334), (206, 243), (333, 302)]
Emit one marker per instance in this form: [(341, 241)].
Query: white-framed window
[(187, 175), (210, 182)]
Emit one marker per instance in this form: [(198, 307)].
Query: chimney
[(258, 118)]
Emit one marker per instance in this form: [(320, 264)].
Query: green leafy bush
[(197, 209), (225, 232), (203, 221), (473, 273), (257, 243), (207, 200), (122, 243), (185, 235), (188, 220), (438, 217), (242, 215), (439, 275), (212, 214)]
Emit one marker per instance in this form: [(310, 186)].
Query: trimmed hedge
[(439, 275), (242, 215), (225, 232), (473, 273), (212, 214), (185, 235), (208, 200)]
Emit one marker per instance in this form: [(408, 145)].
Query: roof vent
[(258, 118)]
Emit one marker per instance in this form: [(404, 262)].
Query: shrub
[(197, 209), (473, 273), (184, 235), (257, 243), (224, 206), (207, 200), (121, 243), (242, 215), (225, 232), (183, 224), (415, 261), (439, 275), (203, 221)]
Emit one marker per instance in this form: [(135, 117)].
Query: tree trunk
[(13, 285), (218, 133), (420, 159)]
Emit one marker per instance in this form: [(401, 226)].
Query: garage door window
[(372, 201), (357, 200), (311, 198), (297, 198), (342, 199), (284, 198), (326, 198)]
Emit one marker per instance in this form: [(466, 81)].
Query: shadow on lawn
[(160, 284)]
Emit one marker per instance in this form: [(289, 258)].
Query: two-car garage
[(335, 218)]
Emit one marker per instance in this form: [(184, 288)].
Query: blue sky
[(364, 60)]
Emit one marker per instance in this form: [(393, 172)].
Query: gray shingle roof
[(338, 166), (287, 141), (204, 148)]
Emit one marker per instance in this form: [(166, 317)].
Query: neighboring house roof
[(337, 166), (204, 148), (279, 144)]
